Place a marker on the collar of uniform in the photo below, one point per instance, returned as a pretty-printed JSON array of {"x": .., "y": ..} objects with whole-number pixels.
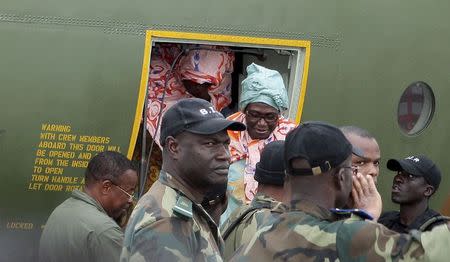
[
  {"x": 88, "y": 199},
  {"x": 311, "y": 208},
  {"x": 173, "y": 182},
  {"x": 424, "y": 217},
  {"x": 264, "y": 201}
]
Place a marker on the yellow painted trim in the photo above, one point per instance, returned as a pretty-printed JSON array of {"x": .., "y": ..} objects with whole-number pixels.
[
  {"x": 141, "y": 96},
  {"x": 301, "y": 101},
  {"x": 213, "y": 38},
  {"x": 230, "y": 38}
]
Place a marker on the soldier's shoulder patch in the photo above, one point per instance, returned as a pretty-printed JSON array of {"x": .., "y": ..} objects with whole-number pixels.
[
  {"x": 352, "y": 212},
  {"x": 183, "y": 207}
]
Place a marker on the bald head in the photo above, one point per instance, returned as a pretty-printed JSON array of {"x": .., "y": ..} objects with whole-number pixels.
[{"x": 356, "y": 131}]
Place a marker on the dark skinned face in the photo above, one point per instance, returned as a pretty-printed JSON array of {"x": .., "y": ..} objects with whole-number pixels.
[
  {"x": 261, "y": 120},
  {"x": 369, "y": 164},
  {"x": 204, "y": 159},
  {"x": 118, "y": 201},
  {"x": 408, "y": 189},
  {"x": 197, "y": 90}
]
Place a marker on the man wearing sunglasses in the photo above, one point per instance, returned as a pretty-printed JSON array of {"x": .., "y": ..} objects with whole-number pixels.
[{"x": 84, "y": 228}]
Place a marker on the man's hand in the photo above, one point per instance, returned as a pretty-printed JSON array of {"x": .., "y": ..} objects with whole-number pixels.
[{"x": 365, "y": 195}]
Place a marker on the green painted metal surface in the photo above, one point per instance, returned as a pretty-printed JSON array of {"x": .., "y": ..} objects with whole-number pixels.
[{"x": 78, "y": 64}]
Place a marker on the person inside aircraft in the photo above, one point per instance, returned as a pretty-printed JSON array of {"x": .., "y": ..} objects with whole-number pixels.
[
  {"x": 319, "y": 179},
  {"x": 83, "y": 227},
  {"x": 198, "y": 71},
  {"x": 263, "y": 99},
  {"x": 416, "y": 181},
  {"x": 202, "y": 71},
  {"x": 169, "y": 223},
  {"x": 243, "y": 222},
  {"x": 368, "y": 162}
]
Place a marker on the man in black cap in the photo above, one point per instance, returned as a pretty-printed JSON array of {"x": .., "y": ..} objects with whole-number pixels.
[
  {"x": 318, "y": 179},
  {"x": 169, "y": 223},
  {"x": 242, "y": 224},
  {"x": 416, "y": 181}
]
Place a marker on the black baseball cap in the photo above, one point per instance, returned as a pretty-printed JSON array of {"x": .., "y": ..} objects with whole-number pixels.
[
  {"x": 270, "y": 168},
  {"x": 196, "y": 116},
  {"x": 419, "y": 165},
  {"x": 323, "y": 145}
]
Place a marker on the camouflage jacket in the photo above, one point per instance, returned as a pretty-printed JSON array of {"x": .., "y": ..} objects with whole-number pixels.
[
  {"x": 244, "y": 221},
  {"x": 307, "y": 232},
  {"x": 167, "y": 224}
]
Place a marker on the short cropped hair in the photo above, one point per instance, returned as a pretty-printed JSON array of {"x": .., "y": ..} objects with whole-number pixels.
[
  {"x": 356, "y": 131},
  {"x": 107, "y": 165}
]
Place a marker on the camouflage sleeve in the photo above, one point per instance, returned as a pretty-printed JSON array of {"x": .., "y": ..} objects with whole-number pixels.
[
  {"x": 349, "y": 240},
  {"x": 264, "y": 246},
  {"x": 436, "y": 243},
  {"x": 168, "y": 239},
  {"x": 368, "y": 241},
  {"x": 232, "y": 217}
]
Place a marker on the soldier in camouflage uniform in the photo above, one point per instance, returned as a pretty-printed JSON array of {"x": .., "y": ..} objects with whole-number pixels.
[
  {"x": 169, "y": 223},
  {"x": 240, "y": 227},
  {"x": 319, "y": 178}
]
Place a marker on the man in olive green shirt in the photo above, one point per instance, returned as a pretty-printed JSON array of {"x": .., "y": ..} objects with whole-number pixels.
[{"x": 83, "y": 227}]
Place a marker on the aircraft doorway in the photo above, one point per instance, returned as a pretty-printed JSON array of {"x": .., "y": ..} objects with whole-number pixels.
[{"x": 171, "y": 72}]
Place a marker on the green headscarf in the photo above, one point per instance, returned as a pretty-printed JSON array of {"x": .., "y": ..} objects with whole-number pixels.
[{"x": 265, "y": 86}]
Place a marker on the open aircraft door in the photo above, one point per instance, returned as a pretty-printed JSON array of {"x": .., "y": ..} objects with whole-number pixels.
[{"x": 289, "y": 57}]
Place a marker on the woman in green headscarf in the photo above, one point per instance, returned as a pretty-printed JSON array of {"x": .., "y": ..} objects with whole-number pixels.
[{"x": 263, "y": 99}]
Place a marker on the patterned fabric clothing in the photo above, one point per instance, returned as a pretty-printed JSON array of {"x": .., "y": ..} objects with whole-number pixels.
[
  {"x": 212, "y": 65},
  {"x": 242, "y": 146}
]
